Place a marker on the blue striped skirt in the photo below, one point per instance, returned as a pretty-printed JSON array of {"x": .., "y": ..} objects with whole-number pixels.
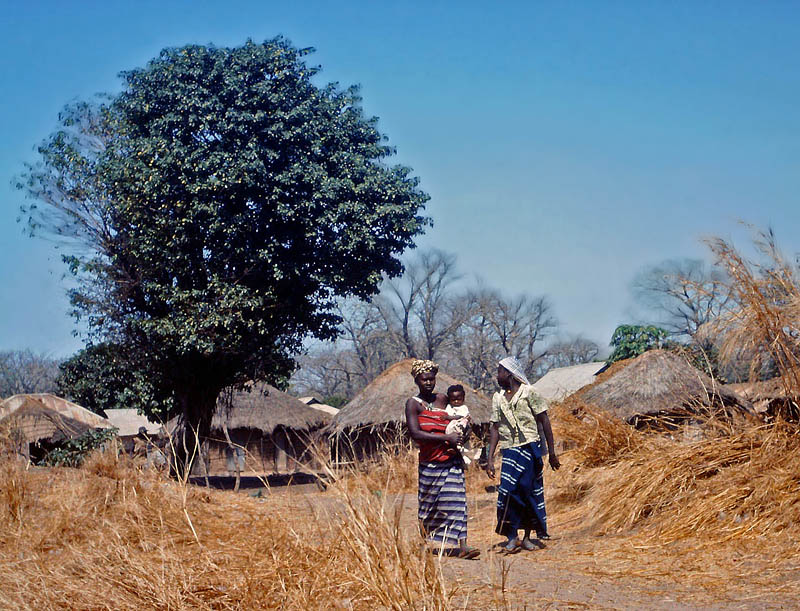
[
  {"x": 520, "y": 497},
  {"x": 443, "y": 502}
]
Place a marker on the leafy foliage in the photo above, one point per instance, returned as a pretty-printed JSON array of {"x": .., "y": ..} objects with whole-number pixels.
[
  {"x": 73, "y": 452},
  {"x": 226, "y": 202},
  {"x": 630, "y": 341},
  {"x": 336, "y": 401},
  {"x": 99, "y": 377}
]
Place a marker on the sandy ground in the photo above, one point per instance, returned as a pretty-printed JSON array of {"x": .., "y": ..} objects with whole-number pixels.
[{"x": 576, "y": 570}]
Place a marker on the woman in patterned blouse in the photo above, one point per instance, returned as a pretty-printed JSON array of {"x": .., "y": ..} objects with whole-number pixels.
[{"x": 517, "y": 412}]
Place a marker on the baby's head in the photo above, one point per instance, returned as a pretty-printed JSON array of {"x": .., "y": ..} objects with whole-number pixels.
[{"x": 455, "y": 395}]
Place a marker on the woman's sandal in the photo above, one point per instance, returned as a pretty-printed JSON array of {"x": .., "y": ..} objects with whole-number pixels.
[
  {"x": 468, "y": 553},
  {"x": 505, "y": 550}
]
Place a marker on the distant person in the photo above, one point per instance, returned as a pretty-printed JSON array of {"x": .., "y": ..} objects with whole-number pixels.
[
  {"x": 460, "y": 420},
  {"x": 442, "y": 493},
  {"x": 516, "y": 411},
  {"x": 146, "y": 446}
]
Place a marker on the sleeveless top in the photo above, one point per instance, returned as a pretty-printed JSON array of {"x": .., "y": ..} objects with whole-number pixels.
[{"x": 432, "y": 421}]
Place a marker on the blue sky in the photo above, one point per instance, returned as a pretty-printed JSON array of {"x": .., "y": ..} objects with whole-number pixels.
[{"x": 564, "y": 145}]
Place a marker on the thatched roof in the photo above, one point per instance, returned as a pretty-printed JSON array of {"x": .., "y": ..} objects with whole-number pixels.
[
  {"x": 127, "y": 422},
  {"x": 265, "y": 408},
  {"x": 563, "y": 381},
  {"x": 383, "y": 400},
  {"x": 317, "y": 404},
  {"x": 659, "y": 382},
  {"x": 46, "y": 417}
]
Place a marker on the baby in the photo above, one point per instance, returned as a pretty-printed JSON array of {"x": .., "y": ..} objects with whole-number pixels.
[{"x": 458, "y": 414}]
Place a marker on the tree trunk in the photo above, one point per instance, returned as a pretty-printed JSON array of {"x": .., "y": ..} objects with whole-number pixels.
[{"x": 194, "y": 425}]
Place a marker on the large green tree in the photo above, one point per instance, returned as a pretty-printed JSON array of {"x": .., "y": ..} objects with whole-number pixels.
[{"x": 224, "y": 201}]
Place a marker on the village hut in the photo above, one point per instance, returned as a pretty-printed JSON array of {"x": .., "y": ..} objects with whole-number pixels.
[
  {"x": 770, "y": 398},
  {"x": 315, "y": 403},
  {"x": 36, "y": 423},
  {"x": 375, "y": 417},
  {"x": 561, "y": 382},
  {"x": 128, "y": 422},
  {"x": 263, "y": 431},
  {"x": 661, "y": 387}
]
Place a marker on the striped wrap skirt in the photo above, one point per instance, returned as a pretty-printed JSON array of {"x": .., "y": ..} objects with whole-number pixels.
[
  {"x": 443, "y": 502},
  {"x": 520, "y": 497}
]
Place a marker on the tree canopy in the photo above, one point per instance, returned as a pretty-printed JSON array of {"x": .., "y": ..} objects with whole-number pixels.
[
  {"x": 630, "y": 341},
  {"x": 223, "y": 201}
]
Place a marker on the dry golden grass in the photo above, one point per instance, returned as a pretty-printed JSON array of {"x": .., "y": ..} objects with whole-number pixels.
[{"x": 110, "y": 536}]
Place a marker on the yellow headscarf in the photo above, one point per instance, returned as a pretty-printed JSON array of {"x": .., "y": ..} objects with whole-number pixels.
[{"x": 421, "y": 366}]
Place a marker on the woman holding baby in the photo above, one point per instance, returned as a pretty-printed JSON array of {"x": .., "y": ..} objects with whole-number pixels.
[{"x": 442, "y": 492}]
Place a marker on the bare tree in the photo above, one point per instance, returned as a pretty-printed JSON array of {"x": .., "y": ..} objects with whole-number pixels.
[
  {"x": 423, "y": 315},
  {"x": 567, "y": 353},
  {"x": 496, "y": 327},
  {"x": 328, "y": 371},
  {"x": 22, "y": 371},
  {"x": 684, "y": 294},
  {"x": 418, "y": 308}
]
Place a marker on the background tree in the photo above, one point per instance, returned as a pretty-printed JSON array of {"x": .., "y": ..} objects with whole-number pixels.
[
  {"x": 567, "y": 353},
  {"x": 630, "y": 341},
  {"x": 495, "y": 326},
  {"x": 226, "y": 202},
  {"x": 683, "y": 294},
  {"x": 23, "y": 371},
  {"x": 418, "y": 308}
]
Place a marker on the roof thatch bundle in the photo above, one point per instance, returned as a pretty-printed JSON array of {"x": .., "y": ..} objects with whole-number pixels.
[
  {"x": 660, "y": 383},
  {"x": 383, "y": 400},
  {"x": 265, "y": 408},
  {"x": 563, "y": 381},
  {"x": 47, "y": 418}
]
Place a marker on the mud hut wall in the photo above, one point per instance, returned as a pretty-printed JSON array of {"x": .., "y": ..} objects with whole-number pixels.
[
  {"x": 260, "y": 453},
  {"x": 286, "y": 450}
]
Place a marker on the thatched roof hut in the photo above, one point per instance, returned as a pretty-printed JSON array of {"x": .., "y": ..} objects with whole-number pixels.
[
  {"x": 561, "y": 382},
  {"x": 382, "y": 401},
  {"x": 263, "y": 430},
  {"x": 660, "y": 383},
  {"x": 265, "y": 408},
  {"x": 46, "y": 418}
]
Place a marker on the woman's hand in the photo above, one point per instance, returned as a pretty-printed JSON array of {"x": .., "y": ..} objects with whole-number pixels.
[
  {"x": 554, "y": 462},
  {"x": 490, "y": 468},
  {"x": 452, "y": 439}
]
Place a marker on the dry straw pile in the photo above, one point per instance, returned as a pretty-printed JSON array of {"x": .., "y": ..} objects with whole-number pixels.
[{"x": 739, "y": 482}]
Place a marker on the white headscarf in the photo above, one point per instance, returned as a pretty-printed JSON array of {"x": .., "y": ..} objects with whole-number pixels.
[{"x": 515, "y": 368}]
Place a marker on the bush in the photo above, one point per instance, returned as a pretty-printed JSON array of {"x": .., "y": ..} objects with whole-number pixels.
[{"x": 74, "y": 451}]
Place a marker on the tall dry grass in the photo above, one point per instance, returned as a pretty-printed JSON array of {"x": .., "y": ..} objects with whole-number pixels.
[
  {"x": 763, "y": 324},
  {"x": 109, "y": 535}
]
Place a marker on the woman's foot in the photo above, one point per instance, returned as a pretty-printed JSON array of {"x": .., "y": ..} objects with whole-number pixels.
[
  {"x": 468, "y": 553},
  {"x": 511, "y": 547},
  {"x": 529, "y": 544}
]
